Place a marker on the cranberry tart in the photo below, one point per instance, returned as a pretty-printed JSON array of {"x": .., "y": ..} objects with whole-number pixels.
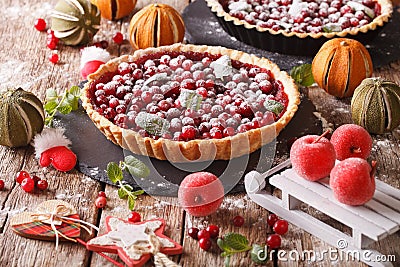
[
  {"x": 190, "y": 103},
  {"x": 298, "y": 26}
]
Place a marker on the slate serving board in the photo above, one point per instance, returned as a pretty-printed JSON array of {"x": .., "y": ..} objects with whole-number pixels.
[
  {"x": 202, "y": 27},
  {"x": 94, "y": 152}
]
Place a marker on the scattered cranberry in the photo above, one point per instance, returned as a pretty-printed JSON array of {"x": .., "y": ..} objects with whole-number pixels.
[
  {"x": 213, "y": 230},
  {"x": 102, "y": 194},
  {"x": 1, "y": 184},
  {"x": 205, "y": 243},
  {"x": 104, "y": 44},
  {"x": 281, "y": 227},
  {"x": 28, "y": 184},
  {"x": 42, "y": 185},
  {"x": 272, "y": 218},
  {"x": 21, "y": 175},
  {"x": 192, "y": 232},
  {"x": 134, "y": 217},
  {"x": 101, "y": 202},
  {"x": 203, "y": 234},
  {"x": 40, "y": 24},
  {"x": 53, "y": 58},
  {"x": 36, "y": 179},
  {"x": 274, "y": 241},
  {"x": 118, "y": 38},
  {"x": 238, "y": 221}
]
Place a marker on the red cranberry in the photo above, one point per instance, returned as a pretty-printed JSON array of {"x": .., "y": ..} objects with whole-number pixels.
[
  {"x": 238, "y": 221},
  {"x": 53, "y": 58},
  {"x": 213, "y": 230},
  {"x": 134, "y": 217},
  {"x": 21, "y": 175},
  {"x": 272, "y": 218},
  {"x": 1, "y": 184},
  {"x": 42, "y": 185},
  {"x": 274, "y": 241},
  {"x": 28, "y": 184},
  {"x": 118, "y": 38},
  {"x": 281, "y": 227},
  {"x": 188, "y": 132},
  {"x": 192, "y": 232},
  {"x": 205, "y": 243},
  {"x": 40, "y": 24},
  {"x": 102, "y": 194},
  {"x": 101, "y": 202},
  {"x": 203, "y": 234}
]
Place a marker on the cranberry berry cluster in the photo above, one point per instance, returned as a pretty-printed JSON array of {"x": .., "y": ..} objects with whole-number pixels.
[
  {"x": 29, "y": 183},
  {"x": 189, "y": 98},
  {"x": 305, "y": 16}
]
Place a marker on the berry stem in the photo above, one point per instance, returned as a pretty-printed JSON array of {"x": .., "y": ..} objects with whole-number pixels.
[
  {"x": 322, "y": 135},
  {"x": 373, "y": 165}
]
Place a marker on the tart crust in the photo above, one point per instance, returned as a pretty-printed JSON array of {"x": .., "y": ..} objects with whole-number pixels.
[
  {"x": 198, "y": 149},
  {"x": 386, "y": 13}
]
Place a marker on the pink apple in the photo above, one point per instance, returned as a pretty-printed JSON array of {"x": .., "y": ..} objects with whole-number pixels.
[
  {"x": 312, "y": 157},
  {"x": 351, "y": 140},
  {"x": 201, "y": 193},
  {"x": 352, "y": 181}
]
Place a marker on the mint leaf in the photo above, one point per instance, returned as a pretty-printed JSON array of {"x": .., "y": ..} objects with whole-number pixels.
[
  {"x": 223, "y": 246},
  {"x": 136, "y": 167},
  {"x": 157, "y": 77},
  {"x": 51, "y": 94},
  {"x": 72, "y": 101},
  {"x": 138, "y": 192},
  {"x": 302, "y": 74},
  {"x": 273, "y": 106},
  {"x": 64, "y": 109},
  {"x": 237, "y": 242},
  {"x": 50, "y": 107},
  {"x": 114, "y": 172},
  {"x": 152, "y": 123},
  {"x": 222, "y": 67},
  {"x": 131, "y": 202},
  {"x": 259, "y": 254},
  {"x": 190, "y": 99},
  {"x": 75, "y": 91},
  {"x": 122, "y": 193}
]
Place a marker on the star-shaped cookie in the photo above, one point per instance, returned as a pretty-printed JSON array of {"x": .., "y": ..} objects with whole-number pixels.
[{"x": 131, "y": 241}]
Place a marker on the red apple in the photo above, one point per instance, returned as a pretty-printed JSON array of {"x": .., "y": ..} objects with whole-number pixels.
[
  {"x": 201, "y": 193},
  {"x": 352, "y": 181},
  {"x": 351, "y": 140},
  {"x": 312, "y": 157}
]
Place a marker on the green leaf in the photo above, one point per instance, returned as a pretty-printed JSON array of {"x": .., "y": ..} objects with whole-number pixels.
[
  {"x": 136, "y": 167},
  {"x": 138, "y": 192},
  {"x": 50, "y": 107},
  {"x": 51, "y": 94},
  {"x": 236, "y": 241},
  {"x": 131, "y": 202},
  {"x": 190, "y": 99},
  {"x": 222, "y": 245},
  {"x": 259, "y": 254},
  {"x": 114, "y": 172},
  {"x": 157, "y": 77},
  {"x": 122, "y": 193},
  {"x": 302, "y": 74},
  {"x": 75, "y": 91},
  {"x": 273, "y": 106},
  {"x": 64, "y": 109},
  {"x": 72, "y": 101},
  {"x": 152, "y": 123}
]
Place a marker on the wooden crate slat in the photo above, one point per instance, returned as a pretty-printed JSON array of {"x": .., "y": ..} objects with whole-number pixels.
[
  {"x": 387, "y": 200},
  {"x": 326, "y": 206},
  {"x": 387, "y": 189}
]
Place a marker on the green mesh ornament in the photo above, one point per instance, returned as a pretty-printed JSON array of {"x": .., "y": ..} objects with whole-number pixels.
[
  {"x": 376, "y": 105},
  {"x": 75, "y": 22}
]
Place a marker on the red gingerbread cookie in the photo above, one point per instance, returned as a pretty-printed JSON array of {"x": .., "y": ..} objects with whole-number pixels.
[{"x": 136, "y": 242}]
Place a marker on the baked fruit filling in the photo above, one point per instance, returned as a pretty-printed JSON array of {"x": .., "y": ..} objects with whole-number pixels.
[
  {"x": 184, "y": 96},
  {"x": 304, "y": 16}
]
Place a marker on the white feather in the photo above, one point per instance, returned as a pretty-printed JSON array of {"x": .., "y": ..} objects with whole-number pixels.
[{"x": 48, "y": 138}]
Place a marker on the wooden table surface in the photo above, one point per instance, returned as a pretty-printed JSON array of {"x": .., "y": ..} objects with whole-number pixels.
[{"x": 24, "y": 63}]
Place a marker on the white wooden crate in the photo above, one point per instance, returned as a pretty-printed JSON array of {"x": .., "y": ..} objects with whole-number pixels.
[{"x": 371, "y": 222}]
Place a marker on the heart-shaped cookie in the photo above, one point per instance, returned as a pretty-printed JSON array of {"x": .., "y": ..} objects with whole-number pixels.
[{"x": 37, "y": 224}]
